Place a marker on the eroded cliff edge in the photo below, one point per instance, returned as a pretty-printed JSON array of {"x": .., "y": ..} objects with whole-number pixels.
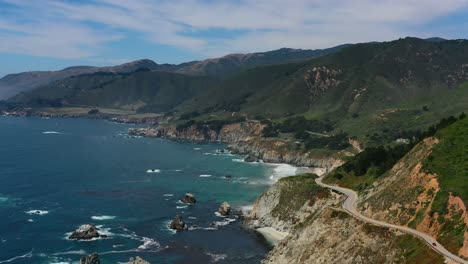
[{"x": 245, "y": 138}]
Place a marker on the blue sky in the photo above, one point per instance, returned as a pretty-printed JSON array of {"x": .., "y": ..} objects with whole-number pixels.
[{"x": 53, "y": 34}]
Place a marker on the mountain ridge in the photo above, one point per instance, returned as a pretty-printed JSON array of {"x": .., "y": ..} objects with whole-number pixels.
[{"x": 13, "y": 84}]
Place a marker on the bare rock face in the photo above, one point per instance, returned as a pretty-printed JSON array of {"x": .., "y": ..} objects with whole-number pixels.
[
  {"x": 189, "y": 198},
  {"x": 91, "y": 259},
  {"x": 85, "y": 232},
  {"x": 178, "y": 224},
  {"x": 138, "y": 260},
  {"x": 224, "y": 209}
]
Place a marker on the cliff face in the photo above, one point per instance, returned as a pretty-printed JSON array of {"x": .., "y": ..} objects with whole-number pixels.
[
  {"x": 317, "y": 231},
  {"x": 275, "y": 151},
  {"x": 245, "y": 138},
  {"x": 228, "y": 133}
]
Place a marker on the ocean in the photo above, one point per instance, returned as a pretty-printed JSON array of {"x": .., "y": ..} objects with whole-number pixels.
[{"x": 57, "y": 174}]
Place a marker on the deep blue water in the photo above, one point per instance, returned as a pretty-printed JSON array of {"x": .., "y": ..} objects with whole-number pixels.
[{"x": 91, "y": 168}]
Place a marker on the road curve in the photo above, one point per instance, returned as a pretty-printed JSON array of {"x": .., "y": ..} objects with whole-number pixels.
[{"x": 350, "y": 206}]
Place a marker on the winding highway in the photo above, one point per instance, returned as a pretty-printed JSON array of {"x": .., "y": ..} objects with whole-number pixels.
[{"x": 349, "y": 205}]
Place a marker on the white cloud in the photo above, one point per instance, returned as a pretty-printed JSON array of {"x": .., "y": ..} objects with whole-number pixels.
[{"x": 66, "y": 29}]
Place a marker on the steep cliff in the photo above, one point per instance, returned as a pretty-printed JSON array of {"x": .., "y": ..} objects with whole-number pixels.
[
  {"x": 245, "y": 138},
  {"x": 317, "y": 231}
]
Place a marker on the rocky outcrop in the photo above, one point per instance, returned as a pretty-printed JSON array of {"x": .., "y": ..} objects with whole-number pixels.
[
  {"x": 178, "y": 224},
  {"x": 189, "y": 199},
  {"x": 91, "y": 259},
  {"x": 85, "y": 232},
  {"x": 245, "y": 138},
  {"x": 137, "y": 260},
  {"x": 224, "y": 209},
  {"x": 276, "y": 151},
  {"x": 235, "y": 132},
  {"x": 250, "y": 158}
]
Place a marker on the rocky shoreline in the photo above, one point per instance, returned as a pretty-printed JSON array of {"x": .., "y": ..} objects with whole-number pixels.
[{"x": 245, "y": 139}]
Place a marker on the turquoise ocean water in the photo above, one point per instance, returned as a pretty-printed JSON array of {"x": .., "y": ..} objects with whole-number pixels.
[{"x": 56, "y": 174}]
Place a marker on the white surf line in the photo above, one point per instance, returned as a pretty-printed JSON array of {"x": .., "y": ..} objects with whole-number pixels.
[{"x": 349, "y": 205}]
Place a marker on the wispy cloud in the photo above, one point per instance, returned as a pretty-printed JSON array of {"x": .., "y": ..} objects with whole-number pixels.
[{"x": 68, "y": 29}]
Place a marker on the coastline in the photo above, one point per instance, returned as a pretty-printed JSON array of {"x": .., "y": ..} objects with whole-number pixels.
[{"x": 284, "y": 162}]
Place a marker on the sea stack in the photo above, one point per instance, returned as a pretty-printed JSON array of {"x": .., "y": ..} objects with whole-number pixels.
[
  {"x": 224, "y": 209},
  {"x": 85, "y": 232},
  {"x": 189, "y": 198},
  {"x": 177, "y": 224},
  {"x": 137, "y": 260},
  {"x": 250, "y": 158},
  {"x": 91, "y": 259}
]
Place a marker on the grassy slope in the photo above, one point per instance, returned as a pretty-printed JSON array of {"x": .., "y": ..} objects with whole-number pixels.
[
  {"x": 156, "y": 91},
  {"x": 449, "y": 160},
  {"x": 299, "y": 189}
]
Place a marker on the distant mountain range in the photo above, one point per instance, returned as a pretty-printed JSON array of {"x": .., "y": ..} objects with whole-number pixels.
[
  {"x": 13, "y": 84},
  {"x": 362, "y": 88}
]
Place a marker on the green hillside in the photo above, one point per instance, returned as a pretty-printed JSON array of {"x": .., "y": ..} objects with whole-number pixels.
[
  {"x": 375, "y": 92},
  {"x": 143, "y": 91}
]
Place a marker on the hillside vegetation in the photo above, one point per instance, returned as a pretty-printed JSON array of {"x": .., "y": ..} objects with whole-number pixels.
[{"x": 374, "y": 92}]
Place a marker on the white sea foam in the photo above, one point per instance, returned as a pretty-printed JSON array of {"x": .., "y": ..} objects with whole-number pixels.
[
  {"x": 196, "y": 148},
  {"x": 51, "y": 132},
  {"x": 27, "y": 255},
  {"x": 238, "y": 160},
  {"x": 148, "y": 243},
  {"x": 281, "y": 171},
  {"x": 102, "y": 217},
  {"x": 178, "y": 170},
  {"x": 71, "y": 252},
  {"x": 216, "y": 257},
  {"x": 192, "y": 217},
  {"x": 153, "y": 171},
  {"x": 191, "y": 228},
  {"x": 182, "y": 206},
  {"x": 205, "y": 175},
  {"x": 3, "y": 199},
  {"x": 30, "y": 220},
  {"x": 105, "y": 231},
  {"x": 37, "y": 212},
  {"x": 225, "y": 222},
  {"x": 168, "y": 194},
  {"x": 219, "y": 214},
  {"x": 246, "y": 209}
]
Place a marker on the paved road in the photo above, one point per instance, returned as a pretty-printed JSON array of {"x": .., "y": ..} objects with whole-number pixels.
[{"x": 350, "y": 206}]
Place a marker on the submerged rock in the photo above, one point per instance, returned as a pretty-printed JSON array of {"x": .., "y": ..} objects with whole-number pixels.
[
  {"x": 228, "y": 176},
  {"x": 85, "y": 232},
  {"x": 91, "y": 259},
  {"x": 138, "y": 260},
  {"x": 189, "y": 198},
  {"x": 250, "y": 158},
  {"x": 177, "y": 224},
  {"x": 224, "y": 209}
]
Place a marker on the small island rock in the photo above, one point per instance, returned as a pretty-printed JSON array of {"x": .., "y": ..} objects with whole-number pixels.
[
  {"x": 138, "y": 260},
  {"x": 91, "y": 259},
  {"x": 189, "y": 198},
  {"x": 250, "y": 158},
  {"x": 85, "y": 232},
  {"x": 224, "y": 209},
  {"x": 177, "y": 224}
]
